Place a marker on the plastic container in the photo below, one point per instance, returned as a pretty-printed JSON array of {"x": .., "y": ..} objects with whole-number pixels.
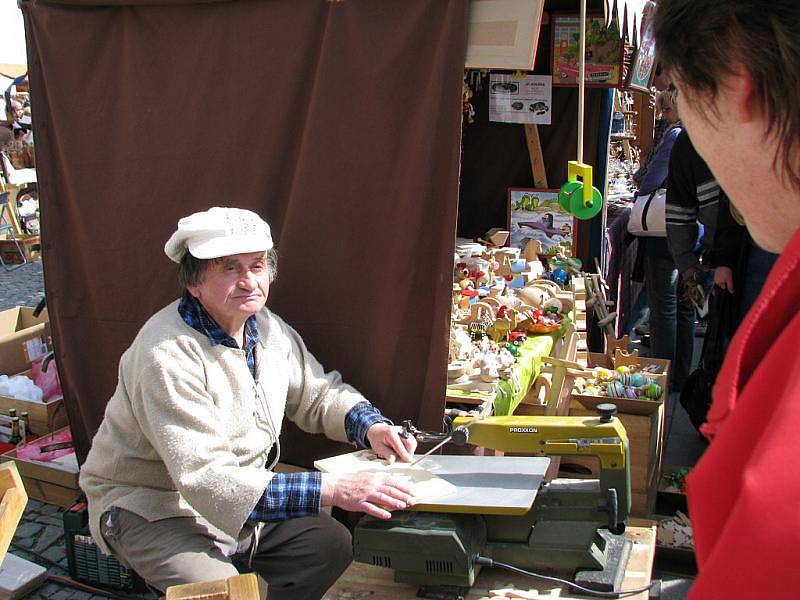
[{"x": 87, "y": 563}]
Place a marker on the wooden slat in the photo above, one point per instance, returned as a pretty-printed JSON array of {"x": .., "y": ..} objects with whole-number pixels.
[
  {"x": 12, "y": 504},
  {"x": 238, "y": 587},
  {"x": 537, "y": 159}
]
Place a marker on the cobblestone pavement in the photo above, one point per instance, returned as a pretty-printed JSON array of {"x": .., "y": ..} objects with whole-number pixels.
[
  {"x": 40, "y": 534},
  {"x": 21, "y": 287}
]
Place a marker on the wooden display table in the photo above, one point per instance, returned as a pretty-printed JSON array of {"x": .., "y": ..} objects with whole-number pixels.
[{"x": 365, "y": 581}]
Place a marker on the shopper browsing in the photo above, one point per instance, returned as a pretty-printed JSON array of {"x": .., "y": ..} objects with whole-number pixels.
[{"x": 737, "y": 68}]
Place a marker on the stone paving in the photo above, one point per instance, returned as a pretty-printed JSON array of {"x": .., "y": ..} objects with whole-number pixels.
[{"x": 40, "y": 534}]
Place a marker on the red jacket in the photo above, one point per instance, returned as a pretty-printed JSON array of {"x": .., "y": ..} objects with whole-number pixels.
[{"x": 744, "y": 494}]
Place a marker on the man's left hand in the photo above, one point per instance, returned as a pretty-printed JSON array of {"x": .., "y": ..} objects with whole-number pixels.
[{"x": 386, "y": 441}]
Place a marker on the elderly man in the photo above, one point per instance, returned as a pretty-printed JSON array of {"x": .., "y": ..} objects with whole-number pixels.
[
  {"x": 737, "y": 66},
  {"x": 180, "y": 477}
]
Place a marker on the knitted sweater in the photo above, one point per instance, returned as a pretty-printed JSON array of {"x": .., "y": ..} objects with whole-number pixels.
[{"x": 188, "y": 431}]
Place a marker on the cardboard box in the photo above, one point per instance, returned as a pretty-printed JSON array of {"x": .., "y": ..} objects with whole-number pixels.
[
  {"x": 29, "y": 245},
  {"x": 17, "y": 327},
  {"x": 50, "y": 482}
]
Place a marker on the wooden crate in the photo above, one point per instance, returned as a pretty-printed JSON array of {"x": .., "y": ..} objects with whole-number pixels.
[
  {"x": 644, "y": 423},
  {"x": 43, "y": 417},
  {"x": 52, "y": 483},
  {"x": 30, "y": 245},
  {"x": 599, "y": 359}
]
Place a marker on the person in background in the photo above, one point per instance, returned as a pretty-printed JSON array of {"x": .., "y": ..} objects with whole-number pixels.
[
  {"x": 180, "y": 477},
  {"x": 693, "y": 195},
  {"x": 672, "y": 320},
  {"x": 736, "y": 65},
  {"x": 663, "y": 122}
]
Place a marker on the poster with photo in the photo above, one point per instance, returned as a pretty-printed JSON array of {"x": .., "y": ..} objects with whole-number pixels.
[
  {"x": 604, "y": 51},
  {"x": 526, "y": 99},
  {"x": 536, "y": 214}
]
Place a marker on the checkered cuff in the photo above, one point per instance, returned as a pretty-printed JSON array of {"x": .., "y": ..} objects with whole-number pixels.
[
  {"x": 289, "y": 495},
  {"x": 359, "y": 419}
]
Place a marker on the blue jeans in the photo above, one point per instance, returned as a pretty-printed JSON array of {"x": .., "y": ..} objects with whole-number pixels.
[
  {"x": 759, "y": 264},
  {"x": 671, "y": 321}
]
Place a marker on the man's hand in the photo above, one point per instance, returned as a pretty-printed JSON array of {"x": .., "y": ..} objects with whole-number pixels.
[
  {"x": 372, "y": 493},
  {"x": 723, "y": 278},
  {"x": 386, "y": 442}
]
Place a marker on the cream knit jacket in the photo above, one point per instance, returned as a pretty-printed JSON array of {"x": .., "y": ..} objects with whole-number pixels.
[{"x": 187, "y": 431}]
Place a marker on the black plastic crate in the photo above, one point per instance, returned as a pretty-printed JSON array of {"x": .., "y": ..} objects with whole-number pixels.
[{"x": 87, "y": 563}]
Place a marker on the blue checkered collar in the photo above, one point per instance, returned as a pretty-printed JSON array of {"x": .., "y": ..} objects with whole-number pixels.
[{"x": 196, "y": 316}]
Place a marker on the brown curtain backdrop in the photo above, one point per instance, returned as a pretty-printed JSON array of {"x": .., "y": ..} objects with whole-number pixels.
[{"x": 338, "y": 121}]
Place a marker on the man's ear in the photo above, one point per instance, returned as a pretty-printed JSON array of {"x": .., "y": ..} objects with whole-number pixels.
[{"x": 194, "y": 291}]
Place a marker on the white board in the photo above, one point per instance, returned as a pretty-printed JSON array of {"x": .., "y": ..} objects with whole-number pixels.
[{"x": 453, "y": 484}]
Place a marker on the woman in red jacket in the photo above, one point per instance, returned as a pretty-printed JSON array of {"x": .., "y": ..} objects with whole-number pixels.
[{"x": 736, "y": 64}]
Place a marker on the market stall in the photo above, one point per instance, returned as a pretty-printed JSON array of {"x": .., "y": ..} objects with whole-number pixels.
[{"x": 363, "y": 202}]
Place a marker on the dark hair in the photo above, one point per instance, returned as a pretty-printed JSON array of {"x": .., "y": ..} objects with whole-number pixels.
[
  {"x": 698, "y": 41},
  {"x": 191, "y": 269}
]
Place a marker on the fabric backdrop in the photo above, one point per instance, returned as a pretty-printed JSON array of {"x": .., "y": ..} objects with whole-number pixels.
[{"x": 337, "y": 120}]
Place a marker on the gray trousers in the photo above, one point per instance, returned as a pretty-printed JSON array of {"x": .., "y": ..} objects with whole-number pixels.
[{"x": 299, "y": 558}]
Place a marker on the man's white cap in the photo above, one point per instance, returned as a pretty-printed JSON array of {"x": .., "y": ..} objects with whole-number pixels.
[{"x": 219, "y": 232}]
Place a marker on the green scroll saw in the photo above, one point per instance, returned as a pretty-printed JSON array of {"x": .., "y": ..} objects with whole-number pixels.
[{"x": 503, "y": 509}]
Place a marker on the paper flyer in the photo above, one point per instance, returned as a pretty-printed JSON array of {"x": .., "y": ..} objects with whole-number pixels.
[{"x": 526, "y": 99}]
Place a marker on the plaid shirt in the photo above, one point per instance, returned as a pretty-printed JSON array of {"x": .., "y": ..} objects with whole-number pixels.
[
  {"x": 288, "y": 495},
  {"x": 197, "y": 317}
]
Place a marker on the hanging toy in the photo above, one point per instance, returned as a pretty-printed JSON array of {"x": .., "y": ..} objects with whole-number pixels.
[{"x": 578, "y": 197}]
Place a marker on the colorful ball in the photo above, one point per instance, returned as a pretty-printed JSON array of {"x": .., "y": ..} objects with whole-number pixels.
[
  {"x": 625, "y": 379},
  {"x": 615, "y": 390},
  {"x": 638, "y": 380},
  {"x": 653, "y": 390},
  {"x": 623, "y": 369}
]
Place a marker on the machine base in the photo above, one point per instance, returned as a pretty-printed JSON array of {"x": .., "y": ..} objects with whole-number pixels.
[{"x": 618, "y": 550}]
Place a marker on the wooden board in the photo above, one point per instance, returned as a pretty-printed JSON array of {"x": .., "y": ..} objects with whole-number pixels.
[
  {"x": 238, "y": 587},
  {"x": 12, "y": 504},
  {"x": 54, "y": 482},
  {"x": 366, "y": 581},
  {"x": 474, "y": 484},
  {"x": 535, "y": 154}
]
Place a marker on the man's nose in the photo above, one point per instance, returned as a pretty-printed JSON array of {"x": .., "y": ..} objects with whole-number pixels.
[{"x": 248, "y": 280}]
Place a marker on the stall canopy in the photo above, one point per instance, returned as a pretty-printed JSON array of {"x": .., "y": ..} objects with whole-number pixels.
[{"x": 337, "y": 120}]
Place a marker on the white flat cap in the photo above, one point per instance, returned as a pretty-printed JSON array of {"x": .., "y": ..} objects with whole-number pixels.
[{"x": 219, "y": 231}]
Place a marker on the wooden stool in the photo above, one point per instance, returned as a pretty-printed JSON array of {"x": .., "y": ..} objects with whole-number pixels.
[{"x": 238, "y": 587}]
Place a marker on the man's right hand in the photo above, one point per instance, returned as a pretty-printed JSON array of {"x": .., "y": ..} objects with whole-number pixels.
[
  {"x": 375, "y": 494},
  {"x": 723, "y": 278}
]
